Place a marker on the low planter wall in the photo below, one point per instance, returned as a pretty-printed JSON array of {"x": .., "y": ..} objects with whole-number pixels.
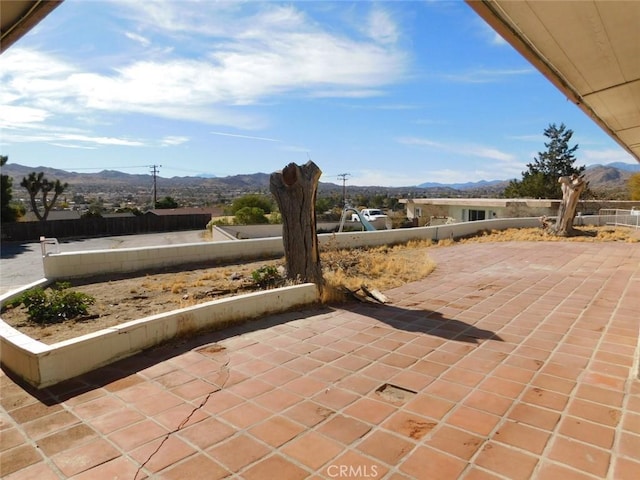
[
  {"x": 43, "y": 365},
  {"x": 126, "y": 260}
]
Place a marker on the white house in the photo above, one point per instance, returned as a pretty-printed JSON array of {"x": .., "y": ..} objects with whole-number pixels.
[{"x": 435, "y": 211}]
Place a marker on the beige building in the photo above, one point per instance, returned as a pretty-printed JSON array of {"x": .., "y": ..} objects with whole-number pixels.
[{"x": 437, "y": 211}]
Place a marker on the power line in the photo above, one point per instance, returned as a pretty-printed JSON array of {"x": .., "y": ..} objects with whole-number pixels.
[
  {"x": 128, "y": 167},
  {"x": 154, "y": 171},
  {"x": 344, "y": 187}
]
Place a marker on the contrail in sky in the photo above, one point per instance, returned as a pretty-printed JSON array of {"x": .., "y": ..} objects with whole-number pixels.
[{"x": 245, "y": 136}]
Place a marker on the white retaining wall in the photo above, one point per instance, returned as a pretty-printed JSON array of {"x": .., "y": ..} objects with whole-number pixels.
[
  {"x": 125, "y": 260},
  {"x": 43, "y": 365}
]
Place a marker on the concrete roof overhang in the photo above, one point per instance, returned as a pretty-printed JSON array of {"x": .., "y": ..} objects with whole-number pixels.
[
  {"x": 589, "y": 49},
  {"x": 17, "y": 17}
]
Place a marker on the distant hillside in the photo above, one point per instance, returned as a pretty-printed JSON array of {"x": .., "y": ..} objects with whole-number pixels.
[
  {"x": 628, "y": 167},
  {"x": 612, "y": 177},
  {"x": 606, "y": 176}
]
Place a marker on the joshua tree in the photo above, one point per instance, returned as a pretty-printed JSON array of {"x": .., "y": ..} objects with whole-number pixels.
[{"x": 36, "y": 184}]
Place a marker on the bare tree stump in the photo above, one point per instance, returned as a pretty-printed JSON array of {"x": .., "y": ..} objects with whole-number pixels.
[
  {"x": 572, "y": 188},
  {"x": 295, "y": 189}
]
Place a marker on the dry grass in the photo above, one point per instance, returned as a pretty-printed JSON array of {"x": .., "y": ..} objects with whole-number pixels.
[
  {"x": 584, "y": 234},
  {"x": 380, "y": 268}
]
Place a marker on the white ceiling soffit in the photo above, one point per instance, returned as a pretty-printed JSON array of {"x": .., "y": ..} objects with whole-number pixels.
[
  {"x": 589, "y": 49},
  {"x": 17, "y": 17}
]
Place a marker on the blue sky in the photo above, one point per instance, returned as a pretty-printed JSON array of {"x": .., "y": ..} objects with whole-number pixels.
[{"x": 391, "y": 93}]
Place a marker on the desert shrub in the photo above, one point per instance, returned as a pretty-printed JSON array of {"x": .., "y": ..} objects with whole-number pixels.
[
  {"x": 56, "y": 305},
  {"x": 251, "y": 216},
  {"x": 267, "y": 276}
]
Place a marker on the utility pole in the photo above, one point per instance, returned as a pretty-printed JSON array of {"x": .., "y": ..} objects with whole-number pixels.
[
  {"x": 344, "y": 187},
  {"x": 154, "y": 171}
]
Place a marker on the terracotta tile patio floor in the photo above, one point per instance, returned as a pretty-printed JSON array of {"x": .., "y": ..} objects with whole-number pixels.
[{"x": 511, "y": 361}]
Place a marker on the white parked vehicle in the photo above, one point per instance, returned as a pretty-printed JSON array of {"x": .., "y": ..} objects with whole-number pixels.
[{"x": 369, "y": 214}]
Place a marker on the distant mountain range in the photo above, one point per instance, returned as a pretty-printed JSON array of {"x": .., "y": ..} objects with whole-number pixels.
[{"x": 609, "y": 177}]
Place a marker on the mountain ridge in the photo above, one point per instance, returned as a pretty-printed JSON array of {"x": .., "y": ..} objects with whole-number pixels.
[{"x": 614, "y": 175}]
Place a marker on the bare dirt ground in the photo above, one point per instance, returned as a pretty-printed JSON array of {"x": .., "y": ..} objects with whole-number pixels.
[{"x": 119, "y": 300}]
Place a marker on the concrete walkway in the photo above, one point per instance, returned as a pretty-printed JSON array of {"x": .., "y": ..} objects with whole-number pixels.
[{"x": 510, "y": 361}]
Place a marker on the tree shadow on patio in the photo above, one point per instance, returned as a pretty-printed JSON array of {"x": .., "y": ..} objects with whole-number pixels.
[{"x": 426, "y": 321}]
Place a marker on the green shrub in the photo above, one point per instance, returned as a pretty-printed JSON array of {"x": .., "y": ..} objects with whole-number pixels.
[
  {"x": 251, "y": 216},
  {"x": 57, "y": 305},
  {"x": 267, "y": 276}
]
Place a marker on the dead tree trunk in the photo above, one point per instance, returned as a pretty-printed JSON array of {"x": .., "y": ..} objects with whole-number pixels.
[
  {"x": 295, "y": 189},
  {"x": 572, "y": 188}
]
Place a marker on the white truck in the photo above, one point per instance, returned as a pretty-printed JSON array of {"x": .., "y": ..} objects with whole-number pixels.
[{"x": 369, "y": 214}]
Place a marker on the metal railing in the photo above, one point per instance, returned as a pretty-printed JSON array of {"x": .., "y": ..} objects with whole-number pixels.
[{"x": 616, "y": 216}]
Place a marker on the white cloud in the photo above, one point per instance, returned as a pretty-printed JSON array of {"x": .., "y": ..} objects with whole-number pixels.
[
  {"x": 254, "y": 59},
  {"x": 461, "y": 149},
  {"x": 381, "y": 26},
  {"x": 484, "y": 75},
  {"x": 145, "y": 42},
  {"x": 593, "y": 157},
  {"x": 172, "y": 141},
  {"x": 14, "y": 116},
  {"x": 400, "y": 179}
]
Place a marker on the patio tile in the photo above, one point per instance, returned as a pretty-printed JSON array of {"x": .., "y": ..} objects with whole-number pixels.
[
  {"x": 344, "y": 429},
  {"x": 138, "y": 434},
  {"x": 180, "y": 416},
  {"x": 156, "y": 403},
  {"x": 594, "y": 412},
  {"x": 245, "y": 415},
  {"x": 629, "y": 445},
  {"x": 308, "y": 413},
  {"x": 50, "y": 423},
  {"x": 429, "y": 406},
  {"x": 39, "y": 471},
  {"x": 473, "y": 420},
  {"x": 626, "y": 469},
  {"x": 585, "y": 431},
  {"x": 459, "y": 443},
  {"x": 10, "y": 438},
  {"x": 117, "y": 468},
  {"x": 534, "y": 416},
  {"x": 32, "y": 411},
  {"x": 335, "y": 398},
  {"x": 409, "y": 425},
  {"x": 522, "y": 436},
  {"x": 238, "y": 452},
  {"x": 207, "y": 432},
  {"x": 196, "y": 467},
  {"x": 161, "y": 453},
  {"x": 355, "y": 465},
  {"x": 312, "y": 449},
  {"x": 275, "y": 467},
  {"x": 120, "y": 418},
  {"x": 276, "y": 431},
  {"x": 84, "y": 457},
  {"x": 439, "y": 465},
  {"x": 506, "y": 461},
  {"x": 581, "y": 456},
  {"x": 17, "y": 458},
  {"x": 488, "y": 402},
  {"x": 306, "y": 386},
  {"x": 370, "y": 410},
  {"x": 61, "y": 440}
]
